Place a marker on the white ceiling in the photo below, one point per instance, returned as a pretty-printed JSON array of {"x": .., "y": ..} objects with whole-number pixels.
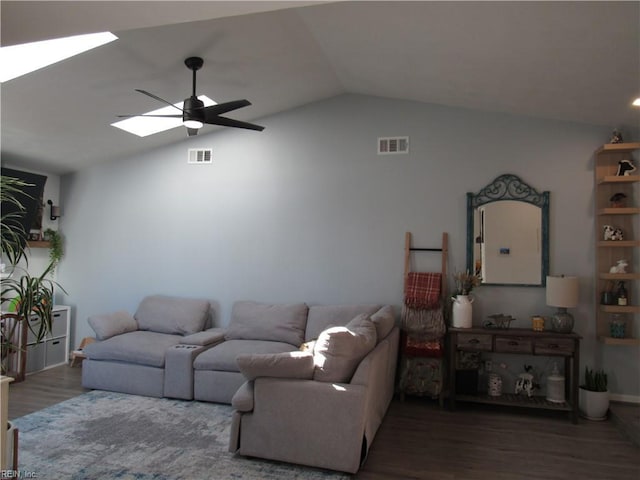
[{"x": 570, "y": 61}]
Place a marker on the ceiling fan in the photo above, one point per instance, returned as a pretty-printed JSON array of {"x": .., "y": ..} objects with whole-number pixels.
[{"x": 193, "y": 112}]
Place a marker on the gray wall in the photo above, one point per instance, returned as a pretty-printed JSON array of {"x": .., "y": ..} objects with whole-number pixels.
[{"x": 307, "y": 211}]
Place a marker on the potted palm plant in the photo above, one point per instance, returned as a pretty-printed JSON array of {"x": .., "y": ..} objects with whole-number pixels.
[
  {"x": 28, "y": 294},
  {"x": 594, "y": 395}
]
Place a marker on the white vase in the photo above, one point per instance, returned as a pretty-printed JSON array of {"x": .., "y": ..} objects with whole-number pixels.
[
  {"x": 594, "y": 405},
  {"x": 462, "y": 311}
]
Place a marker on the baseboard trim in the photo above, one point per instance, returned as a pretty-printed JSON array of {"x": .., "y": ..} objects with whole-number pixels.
[{"x": 617, "y": 397}]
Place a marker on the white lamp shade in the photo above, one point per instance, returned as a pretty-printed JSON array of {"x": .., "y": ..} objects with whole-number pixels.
[{"x": 562, "y": 291}]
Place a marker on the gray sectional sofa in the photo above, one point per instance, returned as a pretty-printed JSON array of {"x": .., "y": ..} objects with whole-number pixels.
[
  {"x": 150, "y": 353},
  {"x": 309, "y": 385}
]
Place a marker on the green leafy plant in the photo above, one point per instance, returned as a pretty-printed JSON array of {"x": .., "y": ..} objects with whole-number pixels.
[
  {"x": 594, "y": 380},
  {"x": 56, "y": 251},
  {"x": 28, "y": 294},
  {"x": 13, "y": 236}
]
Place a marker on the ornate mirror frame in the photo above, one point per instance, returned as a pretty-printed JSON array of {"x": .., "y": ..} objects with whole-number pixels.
[{"x": 510, "y": 187}]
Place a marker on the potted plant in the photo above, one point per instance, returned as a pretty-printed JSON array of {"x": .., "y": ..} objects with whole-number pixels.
[
  {"x": 594, "y": 395},
  {"x": 461, "y": 314},
  {"x": 56, "y": 251},
  {"x": 28, "y": 294}
]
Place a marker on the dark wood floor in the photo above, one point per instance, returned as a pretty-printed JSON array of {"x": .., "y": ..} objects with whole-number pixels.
[{"x": 418, "y": 440}]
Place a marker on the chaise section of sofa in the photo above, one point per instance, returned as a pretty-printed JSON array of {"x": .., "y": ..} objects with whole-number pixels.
[
  {"x": 255, "y": 328},
  {"x": 323, "y": 412},
  {"x": 151, "y": 352}
]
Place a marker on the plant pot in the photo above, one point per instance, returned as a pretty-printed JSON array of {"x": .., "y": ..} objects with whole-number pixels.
[{"x": 594, "y": 405}]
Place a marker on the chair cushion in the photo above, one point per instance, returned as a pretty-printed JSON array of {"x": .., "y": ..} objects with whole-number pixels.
[
  {"x": 263, "y": 321},
  {"x": 223, "y": 356},
  {"x": 174, "y": 315},
  {"x": 281, "y": 365},
  {"x": 140, "y": 347},
  {"x": 111, "y": 324},
  {"x": 322, "y": 317},
  {"x": 339, "y": 350}
]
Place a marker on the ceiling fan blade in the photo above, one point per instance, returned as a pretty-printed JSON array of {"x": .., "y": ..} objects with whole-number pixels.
[
  {"x": 153, "y": 116},
  {"x": 229, "y": 122},
  {"x": 155, "y": 97},
  {"x": 192, "y": 132},
  {"x": 215, "y": 110}
]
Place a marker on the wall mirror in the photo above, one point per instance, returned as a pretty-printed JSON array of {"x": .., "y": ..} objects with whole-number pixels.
[{"x": 508, "y": 233}]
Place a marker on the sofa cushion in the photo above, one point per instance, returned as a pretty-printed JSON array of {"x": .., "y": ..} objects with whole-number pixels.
[
  {"x": 111, "y": 324},
  {"x": 339, "y": 350},
  {"x": 223, "y": 356},
  {"x": 384, "y": 320},
  {"x": 140, "y": 347},
  {"x": 282, "y": 365},
  {"x": 174, "y": 315},
  {"x": 262, "y": 321},
  {"x": 242, "y": 400},
  {"x": 322, "y": 317}
]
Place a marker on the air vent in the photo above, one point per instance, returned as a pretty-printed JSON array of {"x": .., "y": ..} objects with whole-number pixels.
[
  {"x": 200, "y": 156},
  {"x": 393, "y": 145}
]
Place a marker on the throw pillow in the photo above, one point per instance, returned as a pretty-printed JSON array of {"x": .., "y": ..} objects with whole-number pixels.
[
  {"x": 339, "y": 350},
  {"x": 384, "y": 320},
  {"x": 308, "y": 346},
  {"x": 294, "y": 364},
  {"x": 112, "y": 324}
]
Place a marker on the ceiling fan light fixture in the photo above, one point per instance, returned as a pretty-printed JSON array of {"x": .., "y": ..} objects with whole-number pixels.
[
  {"x": 193, "y": 116},
  {"x": 636, "y": 102},
  {"x": 196, "y": 124},
  {"x": 144, "y": 126}
]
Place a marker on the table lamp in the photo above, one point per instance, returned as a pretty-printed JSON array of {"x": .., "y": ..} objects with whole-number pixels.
[{"x": 562, "y": 292}]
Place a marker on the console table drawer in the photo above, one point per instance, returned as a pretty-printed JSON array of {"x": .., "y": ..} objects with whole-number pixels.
[
  {"x": 554, "y": 346},
  {"x": 513, "y": 345},
  {"x": 474, "y": 342}
]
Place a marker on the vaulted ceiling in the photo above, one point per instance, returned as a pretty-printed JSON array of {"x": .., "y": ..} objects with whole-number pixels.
[{"x": 573, "y": 61}]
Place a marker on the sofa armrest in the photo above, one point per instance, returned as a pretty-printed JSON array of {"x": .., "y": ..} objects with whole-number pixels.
[
  {"x": 305, "y": 421},
  {"x": 209, "y": 337}
]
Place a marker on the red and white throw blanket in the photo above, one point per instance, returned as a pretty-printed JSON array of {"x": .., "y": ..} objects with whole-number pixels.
[{"x": 422, "y": 290}]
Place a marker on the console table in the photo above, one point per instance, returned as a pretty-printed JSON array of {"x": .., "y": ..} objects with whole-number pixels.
[{"x": 518, "y": 341}]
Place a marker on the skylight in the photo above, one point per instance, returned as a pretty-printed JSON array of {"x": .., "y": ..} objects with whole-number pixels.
[
  {"x": 18, "y": 60},
  {"x": 144, "y": 126}
]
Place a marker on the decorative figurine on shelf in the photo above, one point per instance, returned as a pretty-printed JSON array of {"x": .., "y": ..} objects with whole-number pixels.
[
  {"x": 498, "y": 320},
  {"x": 612, "y": 233},
  {"x": 617, "y": 200},
  {"x": 620, "y": 267},
  {"x": 525, "y": 383},
  {"x": 616, "y": 137},
  {"x": 625, "y": 167}
]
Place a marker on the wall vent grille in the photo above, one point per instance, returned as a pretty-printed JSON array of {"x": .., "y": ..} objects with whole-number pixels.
[
  {"x": 393, "y": 145},
  {"x": 200, "y": 156}
]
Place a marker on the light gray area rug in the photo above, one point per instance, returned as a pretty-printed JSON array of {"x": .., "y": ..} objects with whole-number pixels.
[{"x": 105, "y": 435}]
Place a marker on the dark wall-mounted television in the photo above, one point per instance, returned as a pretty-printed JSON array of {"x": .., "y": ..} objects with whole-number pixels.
[{"x": 30, "y": 197}]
